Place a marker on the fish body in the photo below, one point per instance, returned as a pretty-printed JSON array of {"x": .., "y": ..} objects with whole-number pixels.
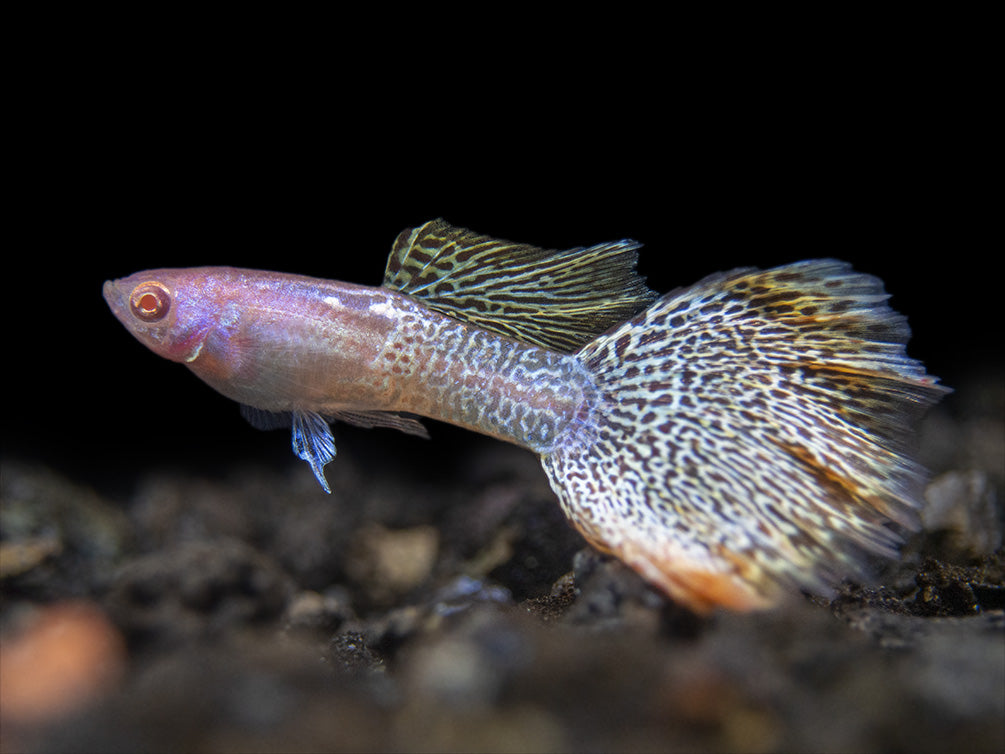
[
  {"x": 284, "y": 343},
  {"x": 726, "y": 440}
]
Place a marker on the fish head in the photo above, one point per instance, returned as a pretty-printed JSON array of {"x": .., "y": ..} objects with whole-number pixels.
[{"x": 171, "y": 311}]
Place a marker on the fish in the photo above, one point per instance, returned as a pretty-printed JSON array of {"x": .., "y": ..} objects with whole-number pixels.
[{"x": 735, "y": 441}]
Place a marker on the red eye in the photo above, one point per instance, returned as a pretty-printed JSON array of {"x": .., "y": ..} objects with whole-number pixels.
[{"x": 150, "y": 301}]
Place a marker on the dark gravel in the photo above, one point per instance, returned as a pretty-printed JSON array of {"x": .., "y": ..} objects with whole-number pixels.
[{"x": 459, "y": 612}]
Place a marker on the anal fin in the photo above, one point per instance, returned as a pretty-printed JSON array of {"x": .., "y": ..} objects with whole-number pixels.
[
  {"x": 313, "y": 442},
  {"x": 312, "y": 437}
]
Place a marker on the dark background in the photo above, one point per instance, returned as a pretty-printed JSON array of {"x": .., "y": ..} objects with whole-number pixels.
[
  {"x": 130, "y": 159},
  {"x": 305, "y": 142}
]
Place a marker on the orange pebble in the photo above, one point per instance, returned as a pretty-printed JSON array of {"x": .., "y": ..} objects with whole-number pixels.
[{"x": 67, "y": 657}]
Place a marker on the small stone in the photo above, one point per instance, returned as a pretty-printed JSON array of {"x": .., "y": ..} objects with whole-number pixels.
[{"x": 963, "y": 504}]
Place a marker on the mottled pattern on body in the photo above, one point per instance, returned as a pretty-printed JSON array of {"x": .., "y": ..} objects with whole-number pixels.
[
  {"x": 750, "y": 430},
  {"x": 498, "y": 386}
]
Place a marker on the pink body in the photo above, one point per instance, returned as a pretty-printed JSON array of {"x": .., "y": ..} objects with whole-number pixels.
[{"x": 282, "y": 342}]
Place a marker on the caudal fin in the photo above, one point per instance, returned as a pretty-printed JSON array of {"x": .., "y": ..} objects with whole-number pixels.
[{"x": 749, "y": 432}]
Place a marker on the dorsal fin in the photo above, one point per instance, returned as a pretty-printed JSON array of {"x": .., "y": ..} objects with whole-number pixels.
[{"x": 556, "y": 299}]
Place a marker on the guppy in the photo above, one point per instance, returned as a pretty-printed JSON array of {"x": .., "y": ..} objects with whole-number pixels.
[{"x": 729, "y": 441}]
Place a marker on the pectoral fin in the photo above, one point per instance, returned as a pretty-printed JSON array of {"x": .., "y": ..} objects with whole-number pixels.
[{"x": 262, "y": 419}]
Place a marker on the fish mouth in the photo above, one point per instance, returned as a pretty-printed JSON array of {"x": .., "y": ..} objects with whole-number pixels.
[{"x": 115, "y": 299}]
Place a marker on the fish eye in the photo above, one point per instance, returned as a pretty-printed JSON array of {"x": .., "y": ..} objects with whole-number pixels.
[{"x": 150, "y": 301}]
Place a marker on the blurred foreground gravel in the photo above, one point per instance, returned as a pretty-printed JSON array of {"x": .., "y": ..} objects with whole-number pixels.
[{"x": 459, "y": 612}]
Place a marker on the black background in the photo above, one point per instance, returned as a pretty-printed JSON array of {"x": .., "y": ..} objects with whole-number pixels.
[{"x": 129, "y": 159}]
